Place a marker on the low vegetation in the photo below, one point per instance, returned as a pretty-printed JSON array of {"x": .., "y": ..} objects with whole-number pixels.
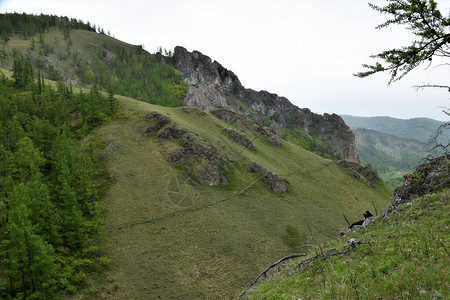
[
  {"x": 193, "y": 241},
  {"x": 403, "y": 257}
]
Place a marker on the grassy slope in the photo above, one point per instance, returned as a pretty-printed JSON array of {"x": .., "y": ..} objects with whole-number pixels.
[
  {"x": 391, "y": 156},
  {"x": 193, "y": 245},
  {"x": 84, "y": 43},
  {"x": 405, "y": 257}
]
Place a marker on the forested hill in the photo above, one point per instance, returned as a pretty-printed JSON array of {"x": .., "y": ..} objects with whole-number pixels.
[
  {"x": 420, "y": 129},
  {"x": 50, "y": 215},
  {"x": 73, "y": 52},
  {"x": 391, "y": 156}
]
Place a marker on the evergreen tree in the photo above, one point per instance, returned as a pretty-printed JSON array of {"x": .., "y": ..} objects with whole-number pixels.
[
  {"x": 426, "y": 22},
  {"x": 28, "y": 260},
  {"x": 110, "y": 90}
]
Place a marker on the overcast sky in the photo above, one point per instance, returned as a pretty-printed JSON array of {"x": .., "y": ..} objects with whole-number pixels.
[{"x": 305, "y": 50}]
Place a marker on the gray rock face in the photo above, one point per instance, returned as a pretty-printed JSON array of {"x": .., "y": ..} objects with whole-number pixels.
[
  {"x": 274, "y": 182},
  {"x": 212, "y": 85},
  {"x": 361, "y": 172},
  {"x": 201, "y": 160}
]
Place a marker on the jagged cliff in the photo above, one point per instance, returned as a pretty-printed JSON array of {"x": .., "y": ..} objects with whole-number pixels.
[{"x": 212, "y": 86}]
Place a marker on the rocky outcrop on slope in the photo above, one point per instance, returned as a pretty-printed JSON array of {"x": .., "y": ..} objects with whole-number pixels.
[
  {"x": 240, "y": 139},
  {"x": 429, "y": 177},
  {"x": 272, "y": 181},
  {"x": 361, "y": 172},
  {"x": 202, "y": 162},
  {"x": 214, "y": 87},
  {"x": 158, "y": 120}
]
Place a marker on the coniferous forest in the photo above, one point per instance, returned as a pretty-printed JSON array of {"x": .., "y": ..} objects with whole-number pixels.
[{"x": 50, "y": 214}]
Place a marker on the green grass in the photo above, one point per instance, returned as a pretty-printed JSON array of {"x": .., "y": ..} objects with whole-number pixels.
[
  {"x": 208, "y": 242},
  {"x": 405, "y": 257}
]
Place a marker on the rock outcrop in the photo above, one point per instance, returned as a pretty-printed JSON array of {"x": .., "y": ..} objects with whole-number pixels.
[
  {"x": 159, "y": 121},
  {"x": 240, "y": 139},
  {"x": 361, "y": 172},
  {"x": 272, "y": 181},
  {"x": 201, "y": 161},
  {"x": 430, "y": 177},
  {"x": 214, "y": 87}
]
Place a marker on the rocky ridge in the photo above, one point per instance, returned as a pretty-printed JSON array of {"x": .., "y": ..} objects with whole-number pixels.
[{"x": 214, "y": 87}]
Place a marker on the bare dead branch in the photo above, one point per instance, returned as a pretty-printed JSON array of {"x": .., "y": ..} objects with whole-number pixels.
[
  {"x": 421, "y": 87},
  {"x": 268, "y": 268}
]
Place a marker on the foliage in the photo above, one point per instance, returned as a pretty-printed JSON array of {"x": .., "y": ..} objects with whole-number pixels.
[
  {"x": 390, "y": 156},
  {"x": 138, "y": 75},
  {"x": 49, "y": 203},
  {"x": 420, "y": 129},
  {"x": 29, "y": 25},
  {"x": 426, "y": 22},
  {"x": 86, "y": 57}
]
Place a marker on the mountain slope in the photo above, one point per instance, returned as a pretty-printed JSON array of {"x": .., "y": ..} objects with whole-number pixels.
[
  {"x": 172, "y": 238},
  {"x": 199, "y": 201},
  {"x": 212, "y": 86},
  {"x": 420, "y": 129},
  {"x": 83, "y": 57},
  {"x": 391, "y": 156},
  {"x": 402, "y": 255}
]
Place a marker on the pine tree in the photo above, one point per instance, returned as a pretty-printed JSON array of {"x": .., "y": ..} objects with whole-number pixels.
[
  {"x": 110, "y": 90},
  {"x": 27, "y": 260},
  {"x": 27, "y": 160},
  {"x": 426, "y": 22}
]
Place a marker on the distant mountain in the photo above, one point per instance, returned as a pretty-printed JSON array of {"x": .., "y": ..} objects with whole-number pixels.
[
  {"x": 391, "y": 156},
  {"x": 420, "y": 129}
]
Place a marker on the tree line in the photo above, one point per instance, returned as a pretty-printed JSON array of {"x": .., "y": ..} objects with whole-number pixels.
[
  {"x": 27, "y": 25},
  {"x": 50, "y": 213}
]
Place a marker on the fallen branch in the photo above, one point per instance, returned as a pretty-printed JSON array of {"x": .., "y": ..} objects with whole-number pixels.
[
  {"x": 346, "y": 220},
  {"x": 268, "y": 268}
]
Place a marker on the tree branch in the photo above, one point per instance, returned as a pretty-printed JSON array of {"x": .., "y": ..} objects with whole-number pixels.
[
  {"x": 268, "y": 268},
  {"x": 421, "y": 87}
]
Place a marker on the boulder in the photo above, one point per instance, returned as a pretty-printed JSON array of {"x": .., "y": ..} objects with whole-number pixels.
[
  {"x": 361, "y": 172},
  {"x": 275, "y": 182}
]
